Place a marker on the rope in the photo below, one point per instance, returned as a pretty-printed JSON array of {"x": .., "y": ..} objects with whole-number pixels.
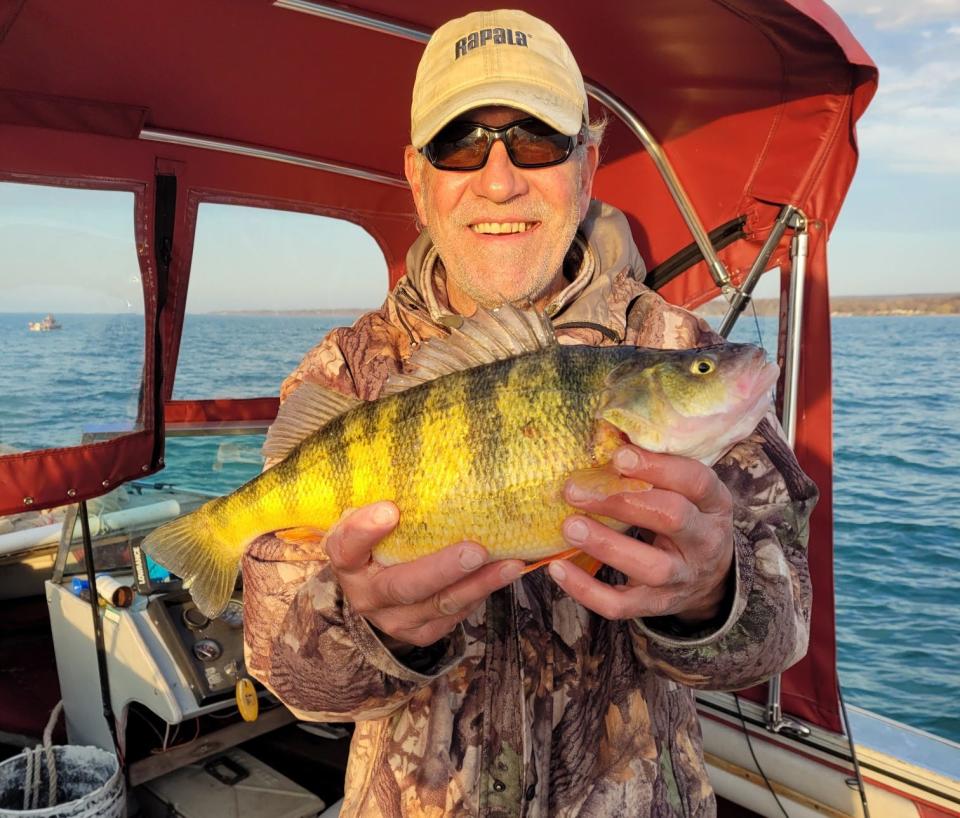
[
  {"x": 33, "y": 775},
  {"x": 51, "y": 758},
  {"x": 30, "y": 789}
]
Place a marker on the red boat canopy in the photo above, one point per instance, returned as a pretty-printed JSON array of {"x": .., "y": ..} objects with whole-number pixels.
[{"x": 754, "y": 101}]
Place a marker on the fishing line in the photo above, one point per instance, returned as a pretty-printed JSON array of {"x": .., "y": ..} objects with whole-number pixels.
[
  {"x": 746, "y": 732},
  {"x": 756, "y": 320}
]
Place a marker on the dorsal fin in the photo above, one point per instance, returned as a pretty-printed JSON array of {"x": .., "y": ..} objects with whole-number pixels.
[
  {"x": 485, "y": 337},
  {"x": 310, "y": 407}
]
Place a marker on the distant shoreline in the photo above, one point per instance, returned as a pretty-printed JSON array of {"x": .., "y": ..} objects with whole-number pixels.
[
  {"x": 840, "y": 306},
  {"x": 345, "y": 311},
  {"x": 857, "y": 305}
]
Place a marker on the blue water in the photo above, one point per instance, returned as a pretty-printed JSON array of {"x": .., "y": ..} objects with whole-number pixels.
[{"x": 896, "y": 440}]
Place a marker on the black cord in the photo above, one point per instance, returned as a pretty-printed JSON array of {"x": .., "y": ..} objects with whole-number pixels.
[
  {"x": 766, "y": 780},
  {"x": 853, "y": 754}
]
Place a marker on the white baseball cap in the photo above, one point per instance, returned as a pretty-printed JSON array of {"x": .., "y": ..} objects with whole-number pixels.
[{"x": 504, "y": 57}]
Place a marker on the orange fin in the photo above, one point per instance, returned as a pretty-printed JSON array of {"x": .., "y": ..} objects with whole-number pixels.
[
  {"x": 301, "y": 535},
  {"x": 579, "y": 558},
  {"x": 604, "y": 481}
]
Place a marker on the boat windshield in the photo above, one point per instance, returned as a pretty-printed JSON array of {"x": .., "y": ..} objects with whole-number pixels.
[{"x": 199, "y": 467}]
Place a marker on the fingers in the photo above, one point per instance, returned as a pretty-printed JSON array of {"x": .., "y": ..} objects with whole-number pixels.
[
  {"x": 418, "y": 580},
  {"x": 641, "y": 563},
  {"x": 690, "y": 478},
  {"x": 610, "y": 601},
  {"x": 349, "y": 544},
  {"x": 436, "y": 615},
  {"x": 689, "y": 503}
]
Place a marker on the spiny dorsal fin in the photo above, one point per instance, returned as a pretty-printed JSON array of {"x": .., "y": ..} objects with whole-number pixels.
[
  {"x": 310, "y": 407},
  {"x": 485, "y": 337}
]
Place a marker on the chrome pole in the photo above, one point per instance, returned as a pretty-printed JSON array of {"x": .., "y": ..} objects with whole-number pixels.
[
  {"x": 791, "y": 362},
  {"x": 775, "y": 722},
  {"x": 742, "y": 296},
  {"x": 717, "y": 271}
]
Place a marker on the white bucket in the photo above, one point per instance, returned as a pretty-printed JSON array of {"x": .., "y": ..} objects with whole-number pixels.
[{"x": 89, "y": 785}]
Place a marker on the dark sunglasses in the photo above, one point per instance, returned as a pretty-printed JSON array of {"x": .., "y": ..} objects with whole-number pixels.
[{"x": 530, "y": 143}]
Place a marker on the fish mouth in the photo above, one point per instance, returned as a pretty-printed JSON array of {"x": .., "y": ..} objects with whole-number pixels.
[
  {"x": 767, "y": 377},
  {"x": 758, "y": 376},
  {"x": 758, "y": 396}
]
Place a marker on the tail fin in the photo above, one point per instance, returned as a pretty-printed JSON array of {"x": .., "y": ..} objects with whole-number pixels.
[{"x": 192, "y": 548}]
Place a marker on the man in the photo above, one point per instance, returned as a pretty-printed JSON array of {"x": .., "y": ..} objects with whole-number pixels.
[{"x": 477, "y": 692}]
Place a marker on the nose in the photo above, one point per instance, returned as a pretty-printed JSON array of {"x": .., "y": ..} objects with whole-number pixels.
[{"x": 499, "y": 180}]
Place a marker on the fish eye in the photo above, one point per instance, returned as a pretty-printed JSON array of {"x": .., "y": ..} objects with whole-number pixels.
[{"x": 702, "y": 366}]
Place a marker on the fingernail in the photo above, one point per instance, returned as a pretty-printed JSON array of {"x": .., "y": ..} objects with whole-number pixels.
[
  {"x": 470, "y": 558},
  {"x": 382, "y": 515},
  {"x": 576, "y": 530},
  {"x": 511, "y": 571},
  {"x": 557, "y": 571},
  {"x": 626, "y": 460},
  {"x": 576, "y": 493}
]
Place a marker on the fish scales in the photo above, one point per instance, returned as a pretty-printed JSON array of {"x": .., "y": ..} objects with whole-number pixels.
[{"x": 497, "y": 457}]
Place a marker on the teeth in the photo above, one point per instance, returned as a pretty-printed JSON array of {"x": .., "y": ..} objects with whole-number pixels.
[{"x": 501, "y": 227}]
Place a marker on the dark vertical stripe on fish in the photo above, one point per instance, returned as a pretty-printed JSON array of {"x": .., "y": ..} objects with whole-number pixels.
[
  {"x": 338, "y": 453},
  {"x": 406, "y": 441}
]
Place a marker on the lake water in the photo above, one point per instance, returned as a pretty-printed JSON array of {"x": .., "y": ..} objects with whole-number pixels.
[{"x": 897, "y": 461}]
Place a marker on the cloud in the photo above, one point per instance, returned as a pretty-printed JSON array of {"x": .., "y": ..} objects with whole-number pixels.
[
  {"x": 922, "y": 140},
  {"x": 898, "y": 14},
  {"x": 914, "y": 121}
]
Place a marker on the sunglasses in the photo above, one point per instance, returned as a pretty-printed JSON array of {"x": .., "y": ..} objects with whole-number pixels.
[{"x": 530, "y": 143}]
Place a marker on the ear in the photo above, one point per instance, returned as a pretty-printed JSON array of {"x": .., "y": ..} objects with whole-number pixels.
[
  {"x": 588, "y": 170},
  {"x": 412, "y": 169}
]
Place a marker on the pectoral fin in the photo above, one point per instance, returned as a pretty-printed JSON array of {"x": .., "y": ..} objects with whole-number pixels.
[
  {"x": 302, "y": 535},
  {"x": 604, "y": 482},
  {"x": 579, "y": 558}
]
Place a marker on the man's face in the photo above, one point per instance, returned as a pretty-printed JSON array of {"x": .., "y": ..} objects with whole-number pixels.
[{"x": 472, "y": 218}]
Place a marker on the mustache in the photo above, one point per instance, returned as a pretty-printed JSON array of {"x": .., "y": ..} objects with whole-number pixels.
[{"x": 471, "y": 213}]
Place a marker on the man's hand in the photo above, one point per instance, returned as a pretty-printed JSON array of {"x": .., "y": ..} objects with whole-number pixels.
[
  {"x": 417, "y": 602},
  {"x": 683, "y": 571}
]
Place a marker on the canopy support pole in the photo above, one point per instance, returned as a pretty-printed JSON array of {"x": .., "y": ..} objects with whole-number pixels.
[
  {"x": 717, "y": 271},
  {"x": 775, "y": 722},
  {"x": 741, "y": 296}
]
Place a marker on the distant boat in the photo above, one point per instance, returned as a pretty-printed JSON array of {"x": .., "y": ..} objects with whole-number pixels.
[{"x": 48, "y": 323}]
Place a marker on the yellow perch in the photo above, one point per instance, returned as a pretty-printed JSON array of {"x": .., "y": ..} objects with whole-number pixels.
[{"x": 475, "y": 444}]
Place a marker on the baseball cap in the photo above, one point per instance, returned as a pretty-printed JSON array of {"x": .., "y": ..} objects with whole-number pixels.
[{"x": 503, "y": 57}]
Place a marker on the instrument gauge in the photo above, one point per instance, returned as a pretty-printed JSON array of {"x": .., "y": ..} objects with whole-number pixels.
[
  {"x": 207, "y": 650},
  {"x": 194, "y": 619},
  {"x": 233, "y": 614}
]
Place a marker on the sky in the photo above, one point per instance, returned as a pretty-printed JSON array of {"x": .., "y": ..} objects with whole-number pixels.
[{"x": 896, "y": 232}]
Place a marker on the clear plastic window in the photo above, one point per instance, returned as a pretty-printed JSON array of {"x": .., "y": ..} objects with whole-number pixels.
[
  {"x": 265, "y": 286},
  {"x": 71, "y": 315}
]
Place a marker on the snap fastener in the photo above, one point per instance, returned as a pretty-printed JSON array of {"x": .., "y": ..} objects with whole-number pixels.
[
  {"x": 71, "y": 492},
  {"x": 498, "y": 785},
  {"x": 28, "y": 501}
]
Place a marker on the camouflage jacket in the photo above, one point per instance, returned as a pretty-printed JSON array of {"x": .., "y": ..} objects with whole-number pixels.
[{"x": 535, "y": 706}]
